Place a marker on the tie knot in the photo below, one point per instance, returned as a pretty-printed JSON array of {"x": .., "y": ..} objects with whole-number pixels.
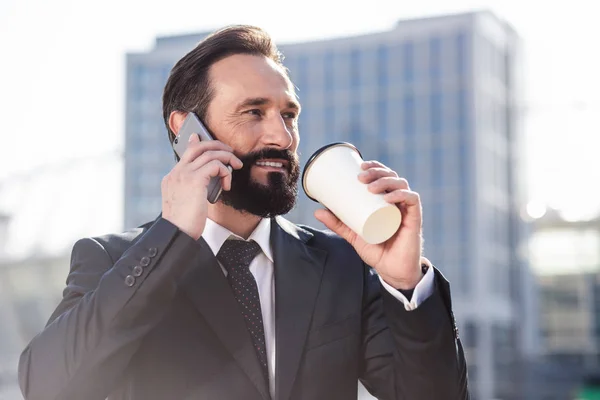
[{"x": 237, "y": 253}]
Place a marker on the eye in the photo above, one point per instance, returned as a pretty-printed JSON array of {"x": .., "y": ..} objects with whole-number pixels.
[
  {"x": 289, "y": 115},
  {"x": 254, "y": 111}
]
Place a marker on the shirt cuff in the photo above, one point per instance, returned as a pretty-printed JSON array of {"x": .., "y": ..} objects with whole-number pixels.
[{"x": 423, "y": 290}]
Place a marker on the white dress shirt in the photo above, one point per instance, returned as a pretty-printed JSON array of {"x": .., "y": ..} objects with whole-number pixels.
[{"x": 262, "y": 270}]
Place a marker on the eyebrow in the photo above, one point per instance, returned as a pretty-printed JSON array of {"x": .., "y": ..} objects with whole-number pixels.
[{"x": 261, "y": 101}]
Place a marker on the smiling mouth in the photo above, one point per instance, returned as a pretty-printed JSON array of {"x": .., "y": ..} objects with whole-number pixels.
[
  {"x": 269, "y": 164},
  {"x": 273, "y": 165}
]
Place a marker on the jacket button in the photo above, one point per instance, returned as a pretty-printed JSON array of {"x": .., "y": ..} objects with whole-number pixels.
[
  {"x": 129, "y": 280},
  {"x": 152, "y": 252},
  {"x": 137, "y": 271},
  {"x": 145, "y": 261}
]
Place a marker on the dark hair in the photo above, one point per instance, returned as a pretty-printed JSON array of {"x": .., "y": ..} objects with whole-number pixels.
[{"x": 189, "y": 88}]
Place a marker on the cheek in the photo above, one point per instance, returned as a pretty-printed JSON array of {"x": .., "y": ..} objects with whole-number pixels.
[
  {"x": 296, "y": 141},
  {"x": 244, "y": 141}
]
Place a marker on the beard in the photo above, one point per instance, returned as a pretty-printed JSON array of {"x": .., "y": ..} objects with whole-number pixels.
[{"x": 277, "y": 197}]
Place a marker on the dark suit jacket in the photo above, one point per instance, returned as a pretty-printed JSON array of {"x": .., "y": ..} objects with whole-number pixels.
[{"x": 175, "y": 332}]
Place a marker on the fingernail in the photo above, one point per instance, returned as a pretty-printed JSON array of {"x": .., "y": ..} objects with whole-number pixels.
[
  {"x": 364, "y": 173},
  {"x": 191, "y": 137}
]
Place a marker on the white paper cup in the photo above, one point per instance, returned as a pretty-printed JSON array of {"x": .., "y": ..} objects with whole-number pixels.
[{"x": 330, "y": 177}]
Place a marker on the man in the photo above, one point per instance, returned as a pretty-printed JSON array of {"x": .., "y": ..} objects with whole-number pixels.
[{"x": 231, "y": 301}]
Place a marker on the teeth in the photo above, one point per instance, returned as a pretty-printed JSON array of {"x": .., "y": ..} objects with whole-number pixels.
[{"x": 270, "y": 164}]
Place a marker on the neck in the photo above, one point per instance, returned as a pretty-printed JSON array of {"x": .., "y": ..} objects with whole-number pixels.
[{"x": 239, "y": 222}]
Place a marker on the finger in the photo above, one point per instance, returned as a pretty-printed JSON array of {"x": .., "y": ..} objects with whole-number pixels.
[
  {"x": 375, "y": 173},
  {"x": 212, "y": 169},
  {"x": 196, "y": 147},
  {"x": 226, "y": 157},
  {"x": 388, "y": 184},
  {"x": 372, "y": 164},
  {"x": 332, "y": 222},
  {"x": 226, "y": 182},
  {"x": 404, "y": 197}
]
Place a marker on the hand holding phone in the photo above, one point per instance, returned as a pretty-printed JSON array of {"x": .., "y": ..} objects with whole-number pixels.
[
  {"x": 193, "y": 125},
  {"x": 203, "y": 167}
]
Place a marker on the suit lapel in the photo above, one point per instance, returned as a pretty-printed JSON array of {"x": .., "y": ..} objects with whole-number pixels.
[
  {"x": 207, "y": 288},
  {"x": 298, "y": 272}
]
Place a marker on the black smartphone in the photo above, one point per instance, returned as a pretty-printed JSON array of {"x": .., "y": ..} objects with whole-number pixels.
[{"x": 192, "y": 125}]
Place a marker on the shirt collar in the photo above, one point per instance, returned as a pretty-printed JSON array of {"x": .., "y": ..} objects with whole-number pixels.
[{"x": 215, "y": 235}]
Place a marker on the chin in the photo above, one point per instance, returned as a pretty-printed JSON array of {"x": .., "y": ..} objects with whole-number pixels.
[{"x": 264, "y": 180}]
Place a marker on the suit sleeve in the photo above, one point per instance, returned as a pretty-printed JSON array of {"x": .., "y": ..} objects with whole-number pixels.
[
  {"x": 106, "y": 310},
  {"x": 411, "y": 355}
]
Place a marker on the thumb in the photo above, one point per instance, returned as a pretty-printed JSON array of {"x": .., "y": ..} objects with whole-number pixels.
[{"x": 335, "y": 224}]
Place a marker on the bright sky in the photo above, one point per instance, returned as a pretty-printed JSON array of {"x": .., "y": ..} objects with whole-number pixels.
[{"x": 62, "y": 72}]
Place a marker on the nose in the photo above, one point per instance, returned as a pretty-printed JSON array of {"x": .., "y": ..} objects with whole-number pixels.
[{"x": 277, "y": 133}]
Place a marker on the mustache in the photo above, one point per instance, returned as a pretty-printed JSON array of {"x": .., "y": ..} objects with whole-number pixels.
[{"x": 270, "y": 152}]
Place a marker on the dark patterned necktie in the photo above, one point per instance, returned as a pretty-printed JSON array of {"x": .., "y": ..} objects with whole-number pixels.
[{"x": 236, "y": 256}]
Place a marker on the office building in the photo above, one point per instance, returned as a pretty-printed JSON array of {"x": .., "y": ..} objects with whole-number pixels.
[
  {"x": 565, "y": 257},
  {"x": 436, "y": 99}
]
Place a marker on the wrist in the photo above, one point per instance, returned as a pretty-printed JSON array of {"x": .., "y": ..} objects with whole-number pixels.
[
  {"x": 409, "y": 282},
  {"x": 403, "y": 284},
  {"x": 193, "y": 233}
]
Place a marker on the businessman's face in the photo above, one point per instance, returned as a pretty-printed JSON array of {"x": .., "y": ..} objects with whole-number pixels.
[{"x": 255, "y": 111}]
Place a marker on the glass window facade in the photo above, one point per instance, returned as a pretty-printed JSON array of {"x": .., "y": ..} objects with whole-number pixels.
[
  {"x": 383, "y": 68},
  {"x": 408, "y": 62},
  {"x": 355, "y": 75},
  {"x": 409, "y": 115},
  {"x": 462, "y": 55},
  {"x": 436, "y": 117},
  {"x": 435, "y": 60}
]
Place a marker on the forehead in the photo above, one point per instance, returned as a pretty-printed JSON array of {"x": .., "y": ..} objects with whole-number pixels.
[{"x": 242, "y": 76}]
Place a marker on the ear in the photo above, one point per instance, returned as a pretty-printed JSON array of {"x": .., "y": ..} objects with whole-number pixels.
[{"x": 176, "y": 120}]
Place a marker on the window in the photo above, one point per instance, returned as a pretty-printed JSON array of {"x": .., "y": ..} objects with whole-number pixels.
[
  {"x": 500, "y": 278},
  {"x": 409, "y": 115},
  {"x": 382, "y": 67},
  {"x": 554, "y": 297},
  {"x": 328, "y": 72},
  {"x": 464, "y": 266},
  {"x": 461, "y": 54},
  {"x": 408, "y": 50},
  {"x": 355, "y": 68},
  {"x": 329, "y": 118},
  {"x": 383, "y": 152},
  {"x": 502, "y": 344},
  {"x": 502, "y": 227},
  {"x": 464, "y": 272},
  {"x": 464, "y": 162},
  {"x": 435, "y": 59},
  {"x": 462, "y": 111},
  {"x": 409, "y": 161},
  {"x": 382, "y": 119},
  {"x": 506, "y": 69},
  {"x": 435, "y": 224},
  {"x": 437, "y": 162},
  {"x": 355, "y": 132},
  {"x": 436, "y": 114},
  {"x": 470, "y": 337}
]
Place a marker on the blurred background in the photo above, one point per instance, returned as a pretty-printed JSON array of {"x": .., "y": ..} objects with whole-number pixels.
[{"x": 489, "y": 108}]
